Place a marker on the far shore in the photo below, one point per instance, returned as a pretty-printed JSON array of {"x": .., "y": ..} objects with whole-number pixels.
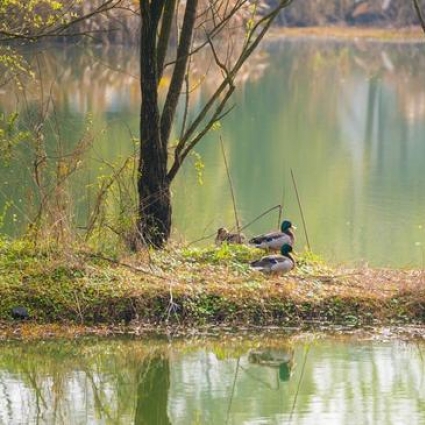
[{"x": 408, "y": 34}]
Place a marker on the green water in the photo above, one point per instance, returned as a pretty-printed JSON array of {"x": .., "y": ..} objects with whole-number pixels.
[
  {"x": 274, "y": 378},
  {"x": 347, "y": 118}
]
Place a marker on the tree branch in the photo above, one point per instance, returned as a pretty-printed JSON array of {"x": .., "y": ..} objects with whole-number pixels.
[
  {"x": 216, "y": 30},
  {"x": 58, "y": 29},
  {"x": 186, "y": 142},
  {"x": 419, "y": 13},
  {"x": 164, "y": 35},
  {"x": 177, "y": 78},
  {"x": 187, "y": 147}
]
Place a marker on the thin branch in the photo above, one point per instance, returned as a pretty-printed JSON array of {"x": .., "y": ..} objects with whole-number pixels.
[
  {"x": 126, "y": 265},
  {"x": 186, "y": 104},
  {"x": 307, "y": 350},
  {"x": 51, "y": 35},
  {"x": 235, "y": 210},
  {"x": 301, "y": 210},
  {"x": 108, "y": 5},
  {"x": 103, "y": 191},
  {"x": 229, "y": 407},
  {"x": 262, "y": 215},
  {"x": 216, "y": 30},
  {"x": 184, "y": 146},
  {"x": 419, "y": 13},
  {"x": 242, "y": 228},
  {"x": 217, "y": 59},
  {"x": 58, "y": 30}
]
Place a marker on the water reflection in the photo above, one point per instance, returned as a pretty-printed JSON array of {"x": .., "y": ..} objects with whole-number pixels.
[
  {"x": 274, "y": 358},
  {"x": 266, "y": 379},
  {"x": 152, "y": 390},
  {"x": 347, "y": 118},
  {"x": 340, "y": 115}
]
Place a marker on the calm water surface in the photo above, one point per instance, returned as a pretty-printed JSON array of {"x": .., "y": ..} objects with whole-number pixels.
[
  {"x": 268, "y": 379},
  {"x": 348, "y": 118}
]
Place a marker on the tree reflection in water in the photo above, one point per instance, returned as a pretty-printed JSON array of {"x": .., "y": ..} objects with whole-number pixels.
[
  {"x": 152, "y": 391},
  {"x": 233, "y": 379}
]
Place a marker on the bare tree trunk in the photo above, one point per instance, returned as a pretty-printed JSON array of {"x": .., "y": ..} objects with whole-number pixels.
[
  {"x": 152, "y": 391},
  {"x": 154, "y": 189},
  {"x": 153, "y": 184}
]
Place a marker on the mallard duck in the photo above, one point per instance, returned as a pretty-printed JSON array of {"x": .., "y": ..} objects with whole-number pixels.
[
  {"x": 279, "y": 358},
  {"x": 276, "y": 263},
  {"x": 275, "y": 240},
  {"x": 223, "y": 235}
]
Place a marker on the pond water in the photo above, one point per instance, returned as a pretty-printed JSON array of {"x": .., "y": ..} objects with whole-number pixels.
[
  {"x": 346, "y": 119},
  {"x": 273, "y": 378}
]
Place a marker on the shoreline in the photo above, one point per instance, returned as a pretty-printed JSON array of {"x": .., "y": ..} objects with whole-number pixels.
[
  {"x": 212, "y": 287},
  {"x": 36, "y": 332},
  {"x": 370, "y": 34}
]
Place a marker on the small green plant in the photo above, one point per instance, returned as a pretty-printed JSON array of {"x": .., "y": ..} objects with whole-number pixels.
[
  {"x": 112, "y": 223},
  {"x": 225, "y": 253},
  {"x": 10, "y": 136},
  {"x": 199, "y": 166}
]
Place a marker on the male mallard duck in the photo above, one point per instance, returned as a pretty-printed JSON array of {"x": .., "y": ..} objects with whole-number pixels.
[
  {"x": 223, "y": 235},
  {"x": 275, "y": 240},
  {"x": 278, "y": 263}
]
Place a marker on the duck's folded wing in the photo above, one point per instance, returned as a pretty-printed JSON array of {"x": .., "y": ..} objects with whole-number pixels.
[
  {"x": 266, "y": 237},
  {"x": 267, "y": 261}
]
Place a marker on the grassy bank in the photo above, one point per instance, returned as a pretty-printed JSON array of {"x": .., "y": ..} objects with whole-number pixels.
[{"x": 195, "y": 287}]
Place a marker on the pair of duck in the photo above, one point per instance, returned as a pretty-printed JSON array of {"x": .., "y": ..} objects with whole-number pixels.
[{"x": 282, "y": 240}]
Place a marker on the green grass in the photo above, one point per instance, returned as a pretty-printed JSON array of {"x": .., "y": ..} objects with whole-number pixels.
[{"x": 186, "y": 287}]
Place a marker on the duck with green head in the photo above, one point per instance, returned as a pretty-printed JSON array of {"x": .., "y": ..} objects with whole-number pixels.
[
  {"x": 275, "y": 240},
  {"x": 276, "y": 263}
]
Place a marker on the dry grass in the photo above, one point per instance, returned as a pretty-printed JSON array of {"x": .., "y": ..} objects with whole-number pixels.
[
  {"x": 408, "y": 34},
  {"x": 212, "y": 286}
]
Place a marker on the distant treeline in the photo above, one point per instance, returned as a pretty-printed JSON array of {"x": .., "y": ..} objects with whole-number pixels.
[
  {"x": 123, "y": 27},
  {"x": 395, "y": 13},
  {"x": 122, "y": 24}
]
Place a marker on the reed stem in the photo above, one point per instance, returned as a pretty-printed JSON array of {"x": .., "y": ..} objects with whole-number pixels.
[
  {"x": 301, "y": 210},
  {"x": 238, "y": 227}
]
